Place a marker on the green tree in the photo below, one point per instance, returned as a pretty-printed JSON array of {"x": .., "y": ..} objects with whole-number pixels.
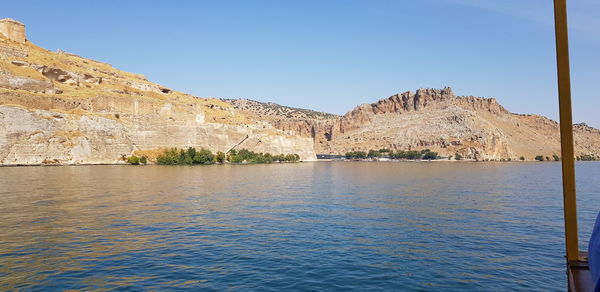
[
  {"x": 428, "y": 155},
  {"x": 396, "y": 155},
  {"x": 458, "y": 156},
  {"x": 191, "y": 152},
  {"x": 280, "y": 158},
  {"x": 204, "y": 156},
  {"x": 539, "y": 158},
  {"x": 413, "y": 155},
  {"x": 184, "y": 158},
  {"x": 521, "y": 158},
  {"x": 373, "y": 154},
  {"x": 556, "y": 158},
  {"x": 144, "y": 160},
  {"x": 244, "y": 155},
  {"x": 268, "y": 158},
  {"x": 169, "y": 157}
]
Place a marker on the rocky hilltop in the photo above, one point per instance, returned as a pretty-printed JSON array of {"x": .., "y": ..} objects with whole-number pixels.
[
  {"x": 436, "y": 119},
  {"x": 57, "y": 107}
]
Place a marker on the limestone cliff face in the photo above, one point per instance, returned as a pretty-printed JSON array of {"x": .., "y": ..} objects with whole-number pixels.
[
  {"x": 59, "y": 108},
  {"x": 436, "y": 119},
  {"x": 50, "y": 137}
]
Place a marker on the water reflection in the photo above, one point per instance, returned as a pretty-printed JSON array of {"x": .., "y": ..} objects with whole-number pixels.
[{"x": 310, "y": 226}]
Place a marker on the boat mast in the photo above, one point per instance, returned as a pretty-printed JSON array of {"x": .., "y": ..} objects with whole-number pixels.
[{"x": 566, "y": 130}]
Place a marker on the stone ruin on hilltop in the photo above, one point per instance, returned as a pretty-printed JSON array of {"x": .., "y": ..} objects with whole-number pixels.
[{"x": 13, "y": 30}]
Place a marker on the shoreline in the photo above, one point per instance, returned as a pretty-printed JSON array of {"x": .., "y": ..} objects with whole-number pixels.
[
  {"x": 319, "y": 160},
  {"x": 128, "y": 164},
  {"x": 436, "y": 160}
]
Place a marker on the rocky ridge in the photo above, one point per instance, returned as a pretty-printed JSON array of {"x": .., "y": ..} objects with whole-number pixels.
[
  {"x": 437, "y": 119},
  {"x": 277, "y": 111}
]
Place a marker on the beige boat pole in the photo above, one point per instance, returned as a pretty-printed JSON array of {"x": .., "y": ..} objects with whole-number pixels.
[{"x": 566, "y": 129}]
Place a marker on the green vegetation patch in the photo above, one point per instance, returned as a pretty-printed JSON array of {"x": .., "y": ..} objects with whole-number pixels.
[
  {"x": 587, "y": 157},
  {"x": 408, "y": 155},
  {"x": 137, "y": 160},
  {"x": 191, "y": 156}
]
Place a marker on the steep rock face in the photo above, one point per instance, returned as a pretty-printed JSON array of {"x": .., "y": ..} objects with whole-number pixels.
[
  {"x": 399, "y": 103},
  {"x": 62, "y": 108},
  {"x": 51, "y": 137},
  {"x": 436, "y": 119},
  {"x": 48, "y": 137}
]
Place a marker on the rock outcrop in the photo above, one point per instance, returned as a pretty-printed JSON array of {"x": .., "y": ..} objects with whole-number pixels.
[
  {"x": 60, "y": 108},
  {"x": 12, "y": 30},
  {"x": 436, "y": 119}
]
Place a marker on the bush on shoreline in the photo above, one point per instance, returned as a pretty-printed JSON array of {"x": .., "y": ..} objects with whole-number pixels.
[
  {"x": 410, "y": 155},
  {"x": 429, "y": 155},
  {"x": 587, "y": 157},
  {"x": 135, "y": 160},
  {"x": 373, "y": 154}
]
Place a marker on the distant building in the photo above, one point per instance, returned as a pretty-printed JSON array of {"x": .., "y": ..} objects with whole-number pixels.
[{"x": 12, "y": 30}]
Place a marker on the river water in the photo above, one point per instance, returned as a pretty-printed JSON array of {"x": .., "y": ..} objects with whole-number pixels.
[{"x": 321, "y": 226}]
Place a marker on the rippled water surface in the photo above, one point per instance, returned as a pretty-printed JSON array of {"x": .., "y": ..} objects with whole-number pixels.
[{"x": 309, "y": 226}]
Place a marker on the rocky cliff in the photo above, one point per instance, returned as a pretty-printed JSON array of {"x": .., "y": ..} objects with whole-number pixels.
[
  {"x": 57, "y": 107},
  {"x": 436, "y": 119}
]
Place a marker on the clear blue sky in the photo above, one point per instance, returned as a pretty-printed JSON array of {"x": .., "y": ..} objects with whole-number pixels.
[{"x": 332, "y": 55}]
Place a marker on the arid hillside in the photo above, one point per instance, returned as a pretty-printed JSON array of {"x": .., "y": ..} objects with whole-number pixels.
[
  {"x": 57, "y": 107},
  {"x": 436, "y": 119}
]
